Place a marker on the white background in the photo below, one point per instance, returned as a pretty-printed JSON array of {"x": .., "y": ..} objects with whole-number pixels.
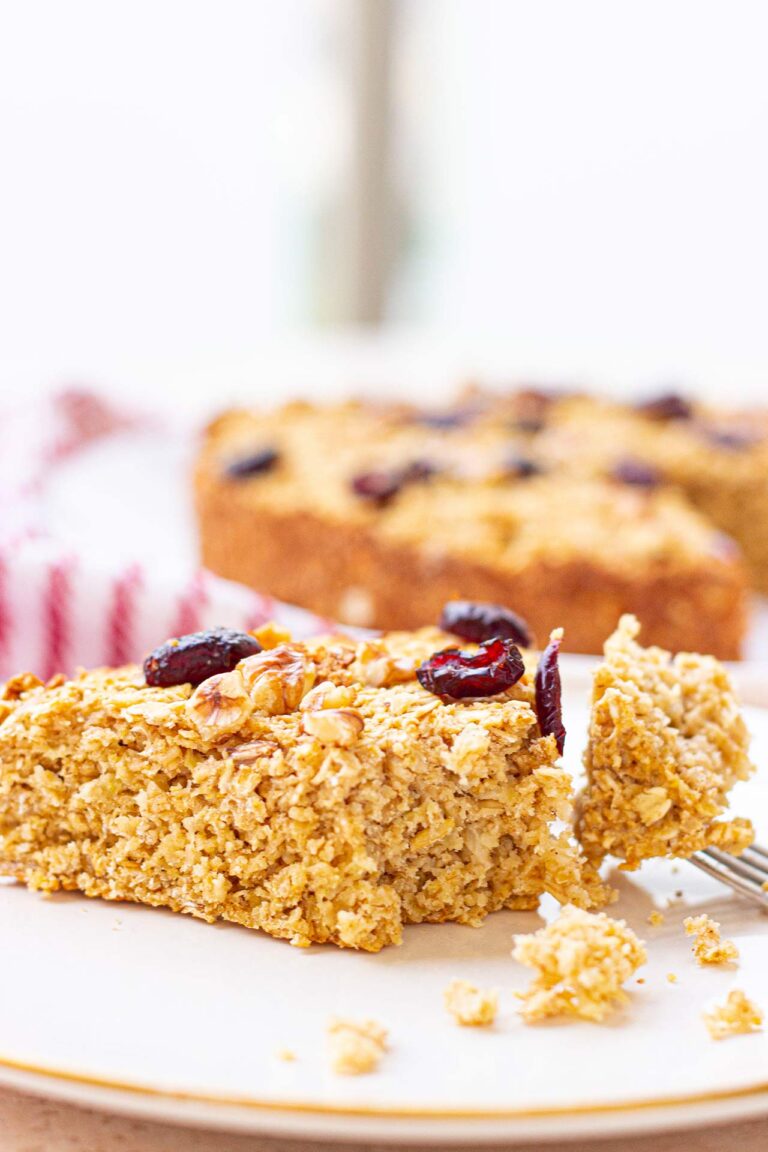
[{"x": 583, "y": 191}]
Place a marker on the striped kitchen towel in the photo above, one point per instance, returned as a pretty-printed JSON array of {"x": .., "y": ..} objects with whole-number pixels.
[{"x": 97, "y": 550}]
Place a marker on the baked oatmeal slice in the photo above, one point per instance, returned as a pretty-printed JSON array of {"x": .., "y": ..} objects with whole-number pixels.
[
  {"x": 316, "y": 791},
  {"x": 376, "y": 514},
  {"x": 667, "y": 741}
]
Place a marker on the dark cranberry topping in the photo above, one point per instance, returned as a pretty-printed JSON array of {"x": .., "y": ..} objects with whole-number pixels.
[
  {"x": 732, "y": 439},
  {"x": 458, "y": 675},
  {"x": 252, "y": 464},
  {"x": 478, "y": 621},
  {"x": 382, "y": 485},
  {"x": 450, "y": 418},
  {"x": 532, "y": 407},
  {"x": 193, "y": 658},
  {"x": 667, "y": 406},
  {"x": 419, "y": 470},
  {"x": 637, "y": 473},
  {"x": 549, "y": 710},
  {"x": 521, "y": 468},
  {"x": 379, "y": 487}
]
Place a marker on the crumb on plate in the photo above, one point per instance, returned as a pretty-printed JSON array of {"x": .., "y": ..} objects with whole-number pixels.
[
  {"x": 471, "y": 1006},
  {"x": 356, "y": 1046},
  {"x": 708, "y": 946},
  {"x": 737, "y": 1016},
  {"x": 582, "y": 959},
  {"x": 656, "y": 918}
]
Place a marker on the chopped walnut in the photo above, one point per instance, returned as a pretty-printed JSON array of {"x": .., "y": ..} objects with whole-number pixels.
[
  {"x": 737, "y": 1016},
  {"x": 708, "y": 947},
  {"x": 356, "y": 1046},
  {"x": 271, "y": 634},
  {"x": 278, "y": 679},
  {"x": 252, "y": 751},
  {"x": 471, "y": 1006},
  {"x": 219, "y": 705},
  {"x": 328, "y": 695},
  {"x": 378, "y": 668},
  {"x": 334, "y": 725}
]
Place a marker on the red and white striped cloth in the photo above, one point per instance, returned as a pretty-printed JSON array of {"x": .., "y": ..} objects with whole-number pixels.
[{"x": 81, "y": 583}]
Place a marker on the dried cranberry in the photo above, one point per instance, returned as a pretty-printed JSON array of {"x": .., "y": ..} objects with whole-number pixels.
[
  {"x": 450, "y": 418},
  {"x": 378, "y": 487},
  {"x": 478, "y": 621},
  {"x": 418, "y": 470},
  {"x": 381, "y": 486},
  {"x": 532, "y": 407},
  {"x": 637, "y": 473},
  {"x": 193, "y": 658},
  {"x": 456, "y": 674},
  {"x": 732, "y": 439},
  {"x": 253, "y": 464},
  {"x": 549, "y": 709},
  {"x": 667, "y": 406},
  {"x": 521, "y": 468}
]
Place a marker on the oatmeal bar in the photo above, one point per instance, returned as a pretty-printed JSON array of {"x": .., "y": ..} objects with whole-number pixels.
[
  {"x": 737, "y": 1017},
  {"x": 666, "y": 743},
  {"x": 473, "y": 1007},
  {"x": 316, "y": 791},
  {"x": 581, "y": 960},
  {"x": 376, "y": 515}
]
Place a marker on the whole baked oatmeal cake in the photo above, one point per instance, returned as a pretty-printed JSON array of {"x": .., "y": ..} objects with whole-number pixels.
[
  {"x": 568, "y": 507},
  {"x": 332, "y": 790},
  {"x": 667, "y": 741}
]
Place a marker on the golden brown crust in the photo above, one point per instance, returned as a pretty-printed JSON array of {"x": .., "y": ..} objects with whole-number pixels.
[{"x": 346, "y": 572}]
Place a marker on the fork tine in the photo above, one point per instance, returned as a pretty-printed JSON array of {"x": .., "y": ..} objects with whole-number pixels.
[
  {"x": 722, "y": 872},
  {"x": 758, "y": 850},
  {"x": 738, "y": 865},
  {"x": 757, "y": 857}
]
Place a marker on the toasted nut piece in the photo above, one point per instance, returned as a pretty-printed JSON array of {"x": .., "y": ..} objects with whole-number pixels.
[
  {"x": 327, "y": 695},
  {"x": 219, "y": 705},
  {"x": 271, "y": 634},
  {"x": 252, "y": 751},
  {"x": 334, "y": 725},
  {"x": 17, "y": 685},
  {"x": 378, "y": 668},
  {"x": 278, "y": 679}
]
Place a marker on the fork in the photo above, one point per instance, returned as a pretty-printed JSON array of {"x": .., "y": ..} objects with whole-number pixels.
[{"x": 747, "y": 874}]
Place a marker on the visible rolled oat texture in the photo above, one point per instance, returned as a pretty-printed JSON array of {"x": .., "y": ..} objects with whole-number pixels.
[
  {"x": 581, "y": 961},
  {"x": 667, "y": 742},
  {"x": 290, "y": 794}
]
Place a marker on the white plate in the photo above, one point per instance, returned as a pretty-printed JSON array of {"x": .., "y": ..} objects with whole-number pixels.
[{"x": 146, "y": 1012}]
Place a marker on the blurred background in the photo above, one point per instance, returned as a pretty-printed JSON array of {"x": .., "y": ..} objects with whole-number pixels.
[{"x": 203, "y": 202}]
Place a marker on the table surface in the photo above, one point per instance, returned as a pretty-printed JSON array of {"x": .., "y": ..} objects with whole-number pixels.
[{"x": 31, "y": 1124}]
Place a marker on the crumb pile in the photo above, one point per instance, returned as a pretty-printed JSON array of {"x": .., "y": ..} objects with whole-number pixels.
[
  {"x": 471, "y": 1006},
  {"x": 581, "y": 960},
  {"x": 356, "y": 1046},
  {"x": 708, "y": 946},
  {"x": 737, "y": 1016}
]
